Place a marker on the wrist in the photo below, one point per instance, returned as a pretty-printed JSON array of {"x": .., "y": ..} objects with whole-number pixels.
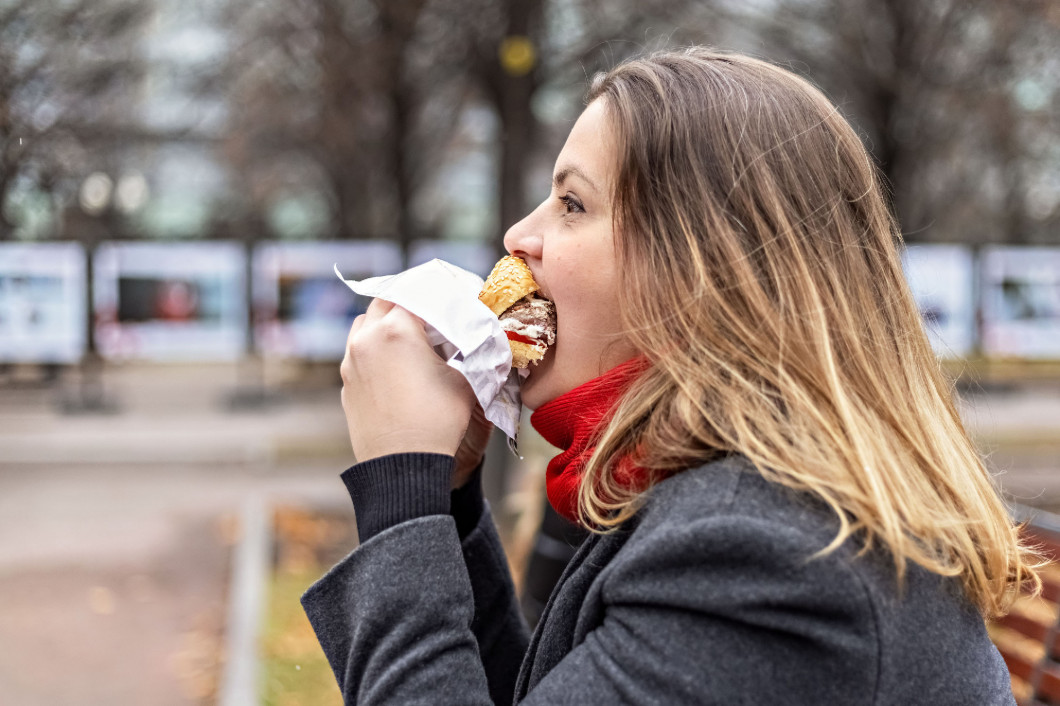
[
  {"x": 371, "y": 444},
  {"x": 394, "y": 488}
]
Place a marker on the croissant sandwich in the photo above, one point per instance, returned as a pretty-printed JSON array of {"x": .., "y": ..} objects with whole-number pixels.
[{"x": 528, "y": 320}]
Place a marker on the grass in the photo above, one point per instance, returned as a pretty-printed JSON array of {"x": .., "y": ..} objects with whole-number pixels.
[
  {"x": 979, "y": 370},
  {"x": 295, "y": 671}
]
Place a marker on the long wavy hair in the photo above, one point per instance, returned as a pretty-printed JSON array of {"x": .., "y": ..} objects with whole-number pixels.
[{"x": 766, "y": 289}]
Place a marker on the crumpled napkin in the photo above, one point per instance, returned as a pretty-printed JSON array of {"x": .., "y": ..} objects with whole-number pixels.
[{"x": 461, "y": 328}]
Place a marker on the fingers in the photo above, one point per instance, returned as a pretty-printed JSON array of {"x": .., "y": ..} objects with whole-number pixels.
[
  {"x": 398, "y": 394},
  {"x": 357, "y": 324},
  {"x": 478, "y": 416},
  {"x": 473, "y": 446},
  {"x": 385, "y": 337},
  {"x": 378, "y": 309}
]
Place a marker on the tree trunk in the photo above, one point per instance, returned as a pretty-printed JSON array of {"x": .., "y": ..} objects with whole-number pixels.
[
  {"x": 519, "y": 126},
  {"x": 401, "y": 127}
]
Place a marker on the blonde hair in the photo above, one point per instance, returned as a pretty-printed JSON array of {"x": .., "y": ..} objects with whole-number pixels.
[{"x": 766, "y": 289}]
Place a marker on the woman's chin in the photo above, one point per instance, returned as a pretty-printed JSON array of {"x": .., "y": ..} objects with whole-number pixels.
[{"x": 534, "y": 388}]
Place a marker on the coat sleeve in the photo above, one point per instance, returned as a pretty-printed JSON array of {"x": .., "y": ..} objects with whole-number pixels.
[
  {"x": 406, "y": 619},
  {"x": 498, "y": 624},
  {"x": 721, "y": 611}
]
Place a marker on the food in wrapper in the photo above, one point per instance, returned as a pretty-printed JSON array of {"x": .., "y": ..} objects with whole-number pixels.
[{"x": 528, "y": 320}]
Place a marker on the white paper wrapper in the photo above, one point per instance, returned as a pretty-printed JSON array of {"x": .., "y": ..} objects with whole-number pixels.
[{"x": 460, "y": 327}]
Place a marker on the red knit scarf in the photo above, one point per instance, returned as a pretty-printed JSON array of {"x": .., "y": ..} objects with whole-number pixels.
[{"x": 570, "y": 423}]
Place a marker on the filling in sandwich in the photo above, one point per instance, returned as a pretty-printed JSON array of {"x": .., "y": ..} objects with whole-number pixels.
[{"x": 531, "y": 320}]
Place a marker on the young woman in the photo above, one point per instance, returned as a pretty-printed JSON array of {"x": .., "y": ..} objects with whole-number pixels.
[{"x": 785, "y": 508}]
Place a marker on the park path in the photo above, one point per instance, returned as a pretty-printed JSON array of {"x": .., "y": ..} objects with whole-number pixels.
[{"x": 116, "y": 531}]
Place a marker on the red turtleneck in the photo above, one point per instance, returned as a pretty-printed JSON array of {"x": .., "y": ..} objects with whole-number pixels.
[{"x": 571, "y": 421}]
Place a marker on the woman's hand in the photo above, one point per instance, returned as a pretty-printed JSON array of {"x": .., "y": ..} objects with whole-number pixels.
[
  {"x": 399, "y": 396},
  {"x": 472, "y": 447}
]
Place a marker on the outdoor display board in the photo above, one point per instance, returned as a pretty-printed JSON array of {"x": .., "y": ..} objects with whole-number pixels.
[
  {"x": 1020, "y": 290},
  {"x": 170, "y": 301},
  {"x": 942, "y": 279},
  {"x": 43, "y": 308},
  {"x": 301, "y": 309},
  {"x": 474, "y": 257}
]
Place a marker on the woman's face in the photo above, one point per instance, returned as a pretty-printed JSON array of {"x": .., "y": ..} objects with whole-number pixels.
[{"x": 569, "y": 243}]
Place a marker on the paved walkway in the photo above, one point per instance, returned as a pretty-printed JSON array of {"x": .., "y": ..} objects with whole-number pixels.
[
  {"x": 1018, "y": 430},
  {"x": 115, "y": 530}
]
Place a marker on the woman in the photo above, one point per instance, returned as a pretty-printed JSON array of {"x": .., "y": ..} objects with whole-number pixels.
[{"x": 784, "y": 504}]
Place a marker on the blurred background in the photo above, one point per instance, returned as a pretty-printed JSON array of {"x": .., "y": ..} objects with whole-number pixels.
[{"x": 177, "y": 180}]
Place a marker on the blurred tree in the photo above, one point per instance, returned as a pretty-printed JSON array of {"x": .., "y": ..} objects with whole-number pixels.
[
  {"x": 342, "y": 114},
  {"x": 361, "y": 102},
  {"x": 502, "y": 61},
  {"x": 932, "y": 85},
  {"x": 343, "y": 101},
  {"x": 354, "y": 109},
  {"x": 519, "y": 47},
  {"x": 69, "y": 72},
  {"x": 516, "y": 50}
]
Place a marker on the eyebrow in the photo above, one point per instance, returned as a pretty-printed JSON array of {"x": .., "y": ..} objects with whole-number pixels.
[{"x": 562, "y": 174}]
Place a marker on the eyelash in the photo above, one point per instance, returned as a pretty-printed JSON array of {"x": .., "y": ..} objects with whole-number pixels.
[{"x": 571, "y": 205}]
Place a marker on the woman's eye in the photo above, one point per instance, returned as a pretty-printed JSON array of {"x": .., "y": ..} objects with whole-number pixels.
[{"x": 571, "y": 204}]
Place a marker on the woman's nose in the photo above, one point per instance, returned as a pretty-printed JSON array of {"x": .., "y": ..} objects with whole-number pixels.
[{"x": 524, "y": 239}]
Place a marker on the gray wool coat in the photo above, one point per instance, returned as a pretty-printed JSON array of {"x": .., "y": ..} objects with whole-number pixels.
[{"x": 708, "y": 596}]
